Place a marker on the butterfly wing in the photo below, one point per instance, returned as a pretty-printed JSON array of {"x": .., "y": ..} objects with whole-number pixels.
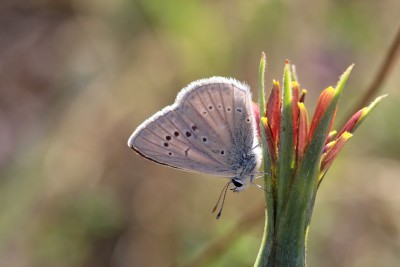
[{"x": 207, "y": 129}]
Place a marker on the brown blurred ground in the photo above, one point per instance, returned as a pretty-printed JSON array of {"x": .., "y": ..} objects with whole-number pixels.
[{"x": 76, "y": 78}]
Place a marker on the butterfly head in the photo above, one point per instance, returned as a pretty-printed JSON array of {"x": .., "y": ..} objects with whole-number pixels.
[{"x": 239, "y": 184}]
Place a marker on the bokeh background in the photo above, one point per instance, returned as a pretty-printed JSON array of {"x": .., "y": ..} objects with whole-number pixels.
[{"x": 77, "y": 77}]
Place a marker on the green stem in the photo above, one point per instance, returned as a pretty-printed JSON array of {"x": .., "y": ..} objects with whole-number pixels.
[
  {"x": 266, "y": 242},
  {"x": 291, "y": 238},
  {"x": 287, "y": 244}
]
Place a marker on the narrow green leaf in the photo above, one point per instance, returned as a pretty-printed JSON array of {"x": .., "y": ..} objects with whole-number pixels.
[
  {"x": 286, "y": 145},
  {"x": 266, "y": 242},
  {"x": 294, "y": 73},
  {"x": 261, "y": 82},
  {"x": 367, "y": 111},
  {"x": 261, "y": 104},
  {"x": 310, "y": 164},
  {"x": 342, "y": 81}
]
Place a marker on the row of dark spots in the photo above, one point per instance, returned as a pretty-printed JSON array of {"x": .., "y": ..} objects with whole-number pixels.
[
  {"x": 222, "y": 152},
  {"x": 188, "y": 134},
  {"x": 228, "y": 109},
  {"x": 176, "y": 134},
  {"x": 168, "y": 137},
  {"x": 219, "y": 106}
]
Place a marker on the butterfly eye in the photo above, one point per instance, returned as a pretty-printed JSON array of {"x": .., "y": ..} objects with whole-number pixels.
[{"x": 237, "y": 183}]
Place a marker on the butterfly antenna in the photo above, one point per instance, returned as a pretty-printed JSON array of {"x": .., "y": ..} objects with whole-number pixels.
[
  {"x": 220, "y": 195},
  {"x": 223, "y": 202},
  {"x": 223, "y": 192}
]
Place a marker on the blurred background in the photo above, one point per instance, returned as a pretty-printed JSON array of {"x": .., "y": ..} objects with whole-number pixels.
[{"x": 77, "y": 77}]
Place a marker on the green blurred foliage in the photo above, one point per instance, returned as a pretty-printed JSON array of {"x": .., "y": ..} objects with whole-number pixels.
[{"x": 77, "y": 77}]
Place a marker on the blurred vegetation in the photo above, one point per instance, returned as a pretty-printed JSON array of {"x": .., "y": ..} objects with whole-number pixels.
[{"x": 78, "y": 76}]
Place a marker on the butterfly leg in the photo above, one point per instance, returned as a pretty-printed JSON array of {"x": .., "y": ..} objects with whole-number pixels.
[{"x": 252, "y": 177}]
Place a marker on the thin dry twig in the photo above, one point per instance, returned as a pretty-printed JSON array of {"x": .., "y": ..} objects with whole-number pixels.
[{"x": 382, "y": 74}]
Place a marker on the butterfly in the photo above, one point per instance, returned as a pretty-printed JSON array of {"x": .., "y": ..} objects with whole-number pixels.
[{"x": 209, "y": 129}]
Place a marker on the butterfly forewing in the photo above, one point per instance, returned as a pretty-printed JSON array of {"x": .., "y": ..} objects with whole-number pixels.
[{"x": 202, "y": 130}]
